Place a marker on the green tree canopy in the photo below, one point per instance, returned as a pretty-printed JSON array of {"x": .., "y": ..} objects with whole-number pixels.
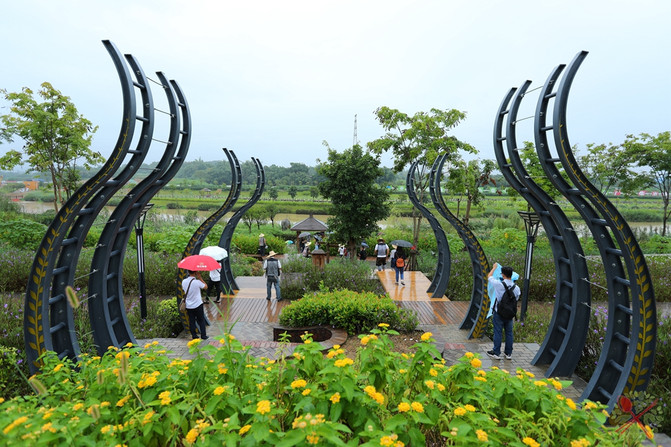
[
  {"x": 55, "y": 137},
  {"x": 357, "y": 202},
  {"x": 608, "y": 166},
  {"x": 420, "y": 137},
  {"x": 653, "y": 153}
]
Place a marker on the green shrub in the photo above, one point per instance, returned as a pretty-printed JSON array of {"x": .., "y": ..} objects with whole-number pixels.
[
  {"x": 163, "y": 319},
  {"x": 355, "y": 312},
  {"x": 300, "y": 276},
  {"x": 22, "y": 233},
  {"x": 173, "y": 205}
]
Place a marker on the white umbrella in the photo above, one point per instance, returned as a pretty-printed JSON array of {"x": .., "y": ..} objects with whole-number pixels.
[{"x": 215, "y": 251}]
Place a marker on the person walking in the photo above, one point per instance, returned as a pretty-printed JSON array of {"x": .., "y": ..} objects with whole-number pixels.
[
  {"x": 381, "y": 253},
  {"x": 262, "y": 244},
  {"x": 398, "y": 263},
  {"x": 363, "y": 254},
  {"x": 215, "y": 280},
  {"x": 502, "y": 286},
  {"x": 273, "y": 269},
  {"x": 192, "y": 286}
]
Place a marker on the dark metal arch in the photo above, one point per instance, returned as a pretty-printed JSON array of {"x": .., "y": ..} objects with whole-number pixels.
[
  {"x": 227, "y": 280},
  {"x": 441, "y": 278},
  {"x": 195, "y": 243},
  {"x": 48, "y": 321},
  {"x": 476, "y": 316},
  {"x": 567, "y": 331},
  {"x": 627, "y": 356},
  {"x": 106, "y": 306}
]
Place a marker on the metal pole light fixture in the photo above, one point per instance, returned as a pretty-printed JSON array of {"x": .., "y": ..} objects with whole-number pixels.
[
  {"x": 531, "y": 223},
  {"x": 139, "y": 228}
]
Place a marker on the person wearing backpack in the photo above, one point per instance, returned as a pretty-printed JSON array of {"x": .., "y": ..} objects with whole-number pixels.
[
  {"x": 273, "y": 270},
  {"x": 398, "y": 262},
  {"x": 505, "y": 308}
]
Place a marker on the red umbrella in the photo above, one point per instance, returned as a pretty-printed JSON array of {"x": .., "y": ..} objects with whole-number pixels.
[{"x": 199, "y": 262}]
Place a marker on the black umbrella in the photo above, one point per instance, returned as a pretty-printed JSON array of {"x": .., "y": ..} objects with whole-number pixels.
[
  {"x": 305, "y": 234},
  {"x": 401, "y": 243}
]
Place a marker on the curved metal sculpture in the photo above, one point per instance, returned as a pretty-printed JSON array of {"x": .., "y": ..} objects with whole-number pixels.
[
  {"x": 476, "y": 316},
  {"x": 227, "y": 280},
  {"x": 107, "y": 311},
  {"x": 628, "y": 351},
  {"x": 438, "y": 285},
  {"x": 567, "y": 331},
  {"x": 48, "y": 318},
  {"x": 196, "y": 242}
]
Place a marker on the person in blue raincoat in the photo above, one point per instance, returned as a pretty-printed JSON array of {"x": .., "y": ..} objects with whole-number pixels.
[{"x": 496, "y": 278}]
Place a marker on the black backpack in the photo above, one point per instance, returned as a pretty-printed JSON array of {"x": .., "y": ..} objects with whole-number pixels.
[{"x": 507, "y": 307}]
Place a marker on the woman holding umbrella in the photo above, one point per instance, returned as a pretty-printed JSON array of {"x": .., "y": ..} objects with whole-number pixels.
[{"x": 192, "y": 285}]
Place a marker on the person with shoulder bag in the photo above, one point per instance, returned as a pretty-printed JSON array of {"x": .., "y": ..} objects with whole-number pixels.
[{"x": 192, "y": 285}]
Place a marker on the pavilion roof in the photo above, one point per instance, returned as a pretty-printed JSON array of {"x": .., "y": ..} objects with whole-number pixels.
[{"x": 310, "y": 224}]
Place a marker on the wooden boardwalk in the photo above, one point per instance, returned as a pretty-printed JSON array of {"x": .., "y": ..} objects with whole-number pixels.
[{"x": 249, "y": 303}]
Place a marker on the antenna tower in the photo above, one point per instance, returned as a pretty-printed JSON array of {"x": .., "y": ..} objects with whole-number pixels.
[{"x": 355, "y": 140}]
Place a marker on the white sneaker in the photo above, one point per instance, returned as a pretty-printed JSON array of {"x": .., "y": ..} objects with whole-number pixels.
[
  {"x": 509, "y": 357},
  {"x": 402, "y": 283}
]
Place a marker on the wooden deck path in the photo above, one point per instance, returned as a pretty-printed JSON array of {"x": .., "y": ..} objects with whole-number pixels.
[{"x": 249, "y": 303}]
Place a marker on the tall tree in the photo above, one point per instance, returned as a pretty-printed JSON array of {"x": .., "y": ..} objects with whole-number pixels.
[
  {"x": 653, "y": 153},
  {"x": 357, "y": 202},
  {"x": 420, "y": 137},
  {"x": 608, "y": 166},
  {"x": 55, "y": 137},
  {"x": 465, "y": 178},
  {"x": 293, "y": 191}
]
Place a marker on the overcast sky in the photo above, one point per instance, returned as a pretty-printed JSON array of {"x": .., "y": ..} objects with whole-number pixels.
[{"x": 273, "y": 79}]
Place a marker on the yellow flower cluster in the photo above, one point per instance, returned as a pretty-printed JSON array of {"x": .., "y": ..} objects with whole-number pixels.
[
  {"x": 244, "y": 429},
  {"x": 263, "y": 407},
  {"x": 391, "y": 441},
  {"x": 430, "y": 384},
  {"x": 312, "y": 439},
  {"x": 460, "y": 411},
  {"x": 426, "y": 336},
  {"x": 373, "y": 393},
  {"x": 341, "y": 363},
  {"x": 300, "y": 383},
  {"x": 582, "y": 442},
  {"x": 165, "y": 397},
  {"x": 367, "y": 338},
  {"x": 476, "y": 363},
  {"x": 383, "y": 325},
  {"x": 335, "y": 398},
  {"x": 556, "y": 384},
  {"x": 17, "y": 422},
  {"x": 148, "y": 379},
  {"x": 123, "y": 401},
  {"x": 147, "y": 417},
  {"x": 531, "y": 442},
  {"x": 335, "y": 351},
  {"x": 220, "y": 390},
  {"x": 482, "y": 435},
  {"x": 221, "y": 367},
  {"x": 194, "y": 342},
  {"x": 571, "y": 404},
  {"x": 192, "y": 435}
]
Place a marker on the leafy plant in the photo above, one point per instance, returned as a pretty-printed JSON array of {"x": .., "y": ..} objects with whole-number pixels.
[
  {"x": 222, "y": 396},
  {"x": 355, "y": 312}
]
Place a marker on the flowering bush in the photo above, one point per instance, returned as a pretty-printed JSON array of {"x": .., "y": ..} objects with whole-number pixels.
[
  {"x": 352, "y": 311},
  {"x": 139, "y": 396}
]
